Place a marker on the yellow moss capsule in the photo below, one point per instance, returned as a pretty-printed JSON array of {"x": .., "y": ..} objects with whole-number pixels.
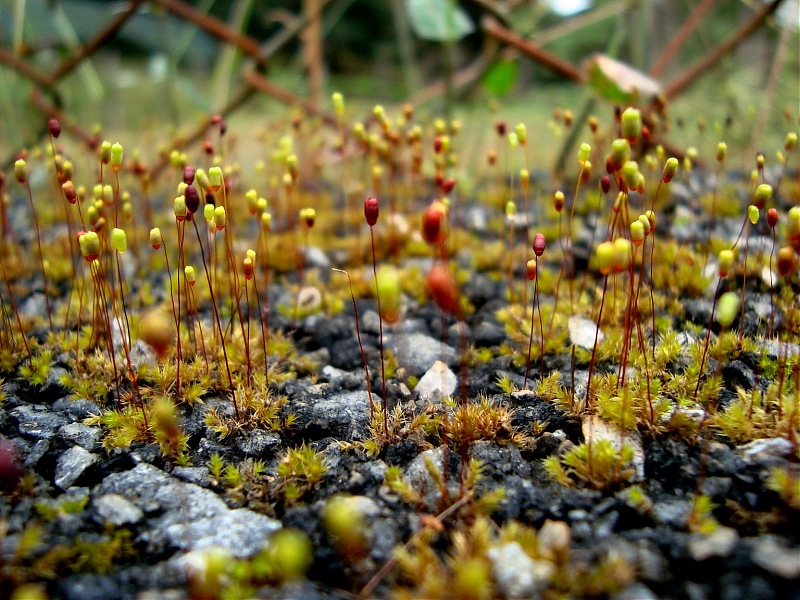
[
  {"x": 266, "y": 222},
  {"x": 725, "y": 262},
  {"x": 189, "y": 273},
  {"x": 670, "y": 169},
  {"x": 155, "y": 238},
  {"x": 790, "y": 142},
  {"x": 116, "y": 156},
  {"x": 220, "y": 218},
  {"x": 645, "y": 223},
  {"x": 252, "y": 201},
  {"x": 179, "y": 208},
  {"x": 513, "y": 141},
  {"x": 763, "y": 195},
  {"x": 620, "y": 152},
  {"x": 631, "y": 124},
  {"x": 583, "y": 153},
  {"x": 722, "y": 151},
  {"x": 558, "y": 201},
  {"x": 21, "y": 171},
  {"x": 215, "y": 178},
  {"x": 208, "y": 213},
  {"x": 604, "y": 255},
  {"x": 251, "y": 254},
  {"x": 202, "y": 179},
  {"x": 389, "y": 292},
  {"x": 524, "y": 179},
  {"x": 338, "y": 104},
  {"x": 622, "y": 255},
  {"x": 522, "y": 133},
  {"x": 637, "y": 233},
  {"x": 248, "y": 268},
  {"x": 90, "y": 245},
  {"x": 105, "y": 152},
  {"x": 119, "y": 240},
  {"x": 727, "y": 309},
  {"x": 511, "y": 209},
  {"x": 630, "y": 174},
  {"x": 752, "y": 214}
]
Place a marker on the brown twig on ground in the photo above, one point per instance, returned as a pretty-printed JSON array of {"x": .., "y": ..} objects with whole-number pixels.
[
  {"x": 676, "y": 43},
  {"x": 100, "y": 40},
  {"x": 215, "y": 27},
  {"x": 687, "y": 77},
  {"x": 543, "y": 57}
]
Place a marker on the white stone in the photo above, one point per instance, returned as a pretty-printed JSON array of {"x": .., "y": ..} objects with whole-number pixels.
[
  {"x": 582, "y": 332},
  {"x": 437, "y": 383}
]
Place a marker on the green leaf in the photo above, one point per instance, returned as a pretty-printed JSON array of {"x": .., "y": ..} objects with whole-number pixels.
[
  {"x": 501, "y": 77},
  {"x": 439, "y": 20}
]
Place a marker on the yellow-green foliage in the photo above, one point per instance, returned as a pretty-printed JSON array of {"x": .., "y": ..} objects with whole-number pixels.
[
  {"x": 300, "y": 470},
  {"x": 598, "y": 464}
]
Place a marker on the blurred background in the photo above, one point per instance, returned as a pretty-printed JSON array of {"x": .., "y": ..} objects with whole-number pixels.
[{"x": 156, "y": 68}]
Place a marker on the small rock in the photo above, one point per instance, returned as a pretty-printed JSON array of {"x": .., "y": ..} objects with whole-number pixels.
[
  {"x": 719, "y": 543},
  {"x": 582, "y": 332},
  {"x": 437, "y": 383},
  {"x": 417, "y": 352},
  {"x": 118, "y": 510},
  {"x": 80, "y": 434},
  {"x": 775, "y": 348},
  {"x": 737, "y": 374},
  {"x": 37, "y": 421},
  {"x": 142, "y": 355},
  {"x": 77, "y": 410},
  {"x": 345, "y": 416},
  {"x": 601, "y": 430},
  {"x": 71, "y": 466},
  {"x": 36, "y": 452},
  {"x": 637, "y": 591},
  {"x": 487, "y": 334},
  {"x": 766, "y": 451},
  {"x": 554, "y": 538},
  {"x": 196, "y": 475},
  {"x": 775, "y": 558},
  {"x": 419, "y": 476},
  {"x": 672, "y": 512},
  {"x": 315, "y": 256},
  {"x": 517, "y": 574},
  {"x": 256, "y": 442}
]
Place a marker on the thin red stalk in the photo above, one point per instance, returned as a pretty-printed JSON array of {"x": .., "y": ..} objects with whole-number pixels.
[
  {"x": 708, "y": 338},
  {"x": 216, "y": 318},
  {"x": 176, "y": 317},
  {"x": 41, "y": 254},
  {"x": 360, "y": 345},
  {"x": 380, "y": 325},
  {"x": 263, "y": 330},
  {"x": 16, "y": 312}
]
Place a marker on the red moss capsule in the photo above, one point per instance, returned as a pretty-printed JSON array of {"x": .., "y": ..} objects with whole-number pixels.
[
  {"x": 530, "y": 269},
  {"x": 208, "y": 147},
  {"x": 55, "y": 127},
  {"x": 437, "y": 144},
  {"x": 69, "y": 192},
  {"x": 371, "y": 211},
  {"x": 772, "y": 217},
  {"x": 605, "y": 183},
  {"x": 188, "y": 175},
  {"x": 500, "y": 127},
  {"x": 192, "y": 198},
  {"x": 448, "y": 185},
  {"x": 249, "y": 268},
  {"x": 432, "y": 223},
  {"x": 438, "y": 179},
  {"x": 539, "y": 244},
  {"x": 443, "y": 289},
  {"x": 786, "y": 261}
]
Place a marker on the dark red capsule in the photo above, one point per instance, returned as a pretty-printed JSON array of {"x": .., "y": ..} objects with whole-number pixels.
[
  {"x": 539, "y": 244},
  {"x": 448, "y": 185},
  {"x": 772, "y": 217},
  {"x": 55, "y": 127},
  {"x": 371, "y": 211},
  {"x": 188, "y": 175},
  {"x": 192, "y": 198},
  {"x": 605, "y": 183}
]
